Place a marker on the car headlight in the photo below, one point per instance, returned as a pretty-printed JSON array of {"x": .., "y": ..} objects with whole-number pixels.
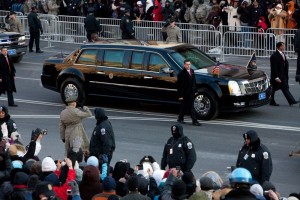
[
  {"x": 234, "y": 88},
  {"x": 21, "y": 38}
]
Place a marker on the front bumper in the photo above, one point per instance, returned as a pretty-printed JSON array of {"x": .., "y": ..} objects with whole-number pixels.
[{"x": 245, "y": 102}]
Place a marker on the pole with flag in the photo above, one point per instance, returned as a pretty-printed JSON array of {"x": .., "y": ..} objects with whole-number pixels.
[{"x": 251, "y": 66}]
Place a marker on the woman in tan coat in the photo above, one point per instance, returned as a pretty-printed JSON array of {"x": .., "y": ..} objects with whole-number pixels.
[
  {"x": 277, "y": 18},
  {"x": 71, "y": 127}
]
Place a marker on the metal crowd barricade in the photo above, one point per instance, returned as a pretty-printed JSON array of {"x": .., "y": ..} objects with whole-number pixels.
[
  {"x": 264, "y": 44},
  {"x": 111, "y": 32},
  {"x": 289, "y": 46},
  {"x": 225, "y": 28},
  {"x": 67, "y": 18},
  {"x": 69, "y": 32},
  {"x": 148, "y": 33},
  {"x": 109, "y": 21}
]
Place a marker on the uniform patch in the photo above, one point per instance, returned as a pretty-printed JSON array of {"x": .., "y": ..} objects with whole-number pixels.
[
  {"x": 253, "y": 155},
  {"x": 15, "y": 126},
  {"x": 102, "y": 131},
  {"x": 266, "y": 155},
  {"x": 179, "y": 145},
  {"x": 189, "y": 145},
  {"x": 94, "y": 133},
  {"x": 173, "y": 128},
  {"x": 127, "y": 20},
  {"x": 111, "y": 75}
]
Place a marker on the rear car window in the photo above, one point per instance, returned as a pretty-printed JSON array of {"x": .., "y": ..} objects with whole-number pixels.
[
  {"x": 113, "y": 58},
  {"x": 87, "y": 57}
]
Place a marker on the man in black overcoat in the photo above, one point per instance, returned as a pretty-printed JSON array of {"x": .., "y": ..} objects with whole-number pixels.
[
  {"x": 7, "y": 76},
  {"x": 186, "y": 91},
  {"x": 280, "y": 75}
]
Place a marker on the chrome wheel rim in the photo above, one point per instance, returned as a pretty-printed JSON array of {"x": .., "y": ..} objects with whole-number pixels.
[
  {"x": 70, "y": 90},
  {"x": 202, "y": 105}
]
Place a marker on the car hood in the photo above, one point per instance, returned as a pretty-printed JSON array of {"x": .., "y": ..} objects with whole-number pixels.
[{"x": 230, "y": 71}]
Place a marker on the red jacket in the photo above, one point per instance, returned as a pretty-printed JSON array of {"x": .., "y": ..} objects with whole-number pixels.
[
  {"x": 157, "y": 11},
  {"x": 61, "y": 191}
]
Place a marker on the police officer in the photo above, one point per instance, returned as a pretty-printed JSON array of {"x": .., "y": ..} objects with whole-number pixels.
[
  {"x": 103, "y": 137},
  {"x": 126, "y": 26},
  {"x": 91, "y": 25},
  {"x": 255, "y": 157},
  {"x": 179, "y": 151},
  {"x": 35, "y": 30}
]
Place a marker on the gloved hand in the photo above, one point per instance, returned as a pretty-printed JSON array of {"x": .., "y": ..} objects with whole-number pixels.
[
  {"x": 151, "y": 159},
  {"x": 63, "y": 140},
  {"x": 42, "y": 31},
  {"x": 75, "y": 188},
  {"x": 104, "y": 158}
]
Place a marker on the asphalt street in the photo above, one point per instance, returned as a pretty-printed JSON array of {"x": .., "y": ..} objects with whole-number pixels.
[{"x": 143, "y": 129}]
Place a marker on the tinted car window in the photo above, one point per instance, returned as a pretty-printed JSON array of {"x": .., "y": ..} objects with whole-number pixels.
[
  {"x": 113, "y": 58},
  {"x": 136, "y": 60},
  {"x": 156, "y": 62},
  {"x": 197, "y": 58},
  {"x": 87, "y": 57}
]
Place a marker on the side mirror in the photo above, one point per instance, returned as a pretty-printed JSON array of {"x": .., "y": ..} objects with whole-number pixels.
[{"x": 166, "y": 70}]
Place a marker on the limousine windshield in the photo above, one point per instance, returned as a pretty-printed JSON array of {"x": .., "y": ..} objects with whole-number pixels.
[{"x": 197, "y": 58}]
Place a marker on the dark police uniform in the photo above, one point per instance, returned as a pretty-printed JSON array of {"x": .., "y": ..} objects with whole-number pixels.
[
  {"x": 35, "y": 28},
  {"x": 91, "y": 25},
  {"x": 103, "y": 138},
  {"x": 256, "y": 158},
  {"x": 126, "y": 27},
  {"x": 178, "y": 151}
]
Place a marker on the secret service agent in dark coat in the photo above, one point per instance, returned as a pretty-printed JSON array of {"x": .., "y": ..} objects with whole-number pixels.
[
  {"x": 7, "y": 76},
  {"x": 178, "y": 151},
  {"x": 186, "y": 89},
  {"x": 91, "y": 25},
  {"x": 126, "y": 26},
  {"x": 35, "y": 30},
  {"x": 280, "y": 72},
  {"x": 240, "y": 194},
  {"x": 255, "y": 157},
  {"x": 103, "y": 138}
]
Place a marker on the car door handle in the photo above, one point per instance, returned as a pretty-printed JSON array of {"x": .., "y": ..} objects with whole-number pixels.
[
  {"x": 148, "y": 77},
  {"x": 100, "y": 72}
]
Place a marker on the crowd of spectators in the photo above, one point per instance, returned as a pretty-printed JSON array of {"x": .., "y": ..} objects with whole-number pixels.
[{"x": 262, "y": 14}]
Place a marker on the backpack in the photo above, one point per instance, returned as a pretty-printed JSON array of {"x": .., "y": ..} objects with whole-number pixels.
[{"x": 201, "y": 13}]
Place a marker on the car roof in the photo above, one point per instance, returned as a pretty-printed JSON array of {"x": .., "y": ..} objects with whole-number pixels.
[{"x": 139, "y": 44}]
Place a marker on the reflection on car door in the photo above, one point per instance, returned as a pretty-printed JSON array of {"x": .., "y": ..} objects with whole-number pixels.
[
  {"x": 158, "y": 80},
  {"x": 114, "y": 77}
]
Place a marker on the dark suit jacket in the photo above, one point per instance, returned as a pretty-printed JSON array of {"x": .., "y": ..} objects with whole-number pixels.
[
  {"x": 186, "y": 85},
  {"x": 280, "y": 69},
  {"x": 7, "y": 77}
]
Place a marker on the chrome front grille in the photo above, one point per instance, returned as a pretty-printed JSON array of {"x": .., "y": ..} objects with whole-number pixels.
[{"x": 256, "y": 85}]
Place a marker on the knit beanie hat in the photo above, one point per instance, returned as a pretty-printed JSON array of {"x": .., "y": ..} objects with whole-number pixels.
[
  {"x": 17, "y": 164},
  {"x": 48, "y": 165},
  {"x": 79, "y": 174},
  {"x": 21, "y": 178},
  {"x": 109, "y": 183},
  {"x": 178, "y": 189},
  {"x": 256, "y": 189},
  {"x": 93, "y": 161},
  {"x": 206, "y": 183},
  {"x": 53, "y": 179}
]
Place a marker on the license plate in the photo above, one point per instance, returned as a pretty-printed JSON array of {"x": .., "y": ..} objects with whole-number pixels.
[
  {"x": 11, "y": 52},
  {"x": 262, "y": 96}
]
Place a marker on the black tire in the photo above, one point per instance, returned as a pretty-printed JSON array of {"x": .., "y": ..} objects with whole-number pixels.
[
  {"x": 71, "y": 87},
  {"x": 17, "y": 59},
  {"x": 206, "y": 104}
]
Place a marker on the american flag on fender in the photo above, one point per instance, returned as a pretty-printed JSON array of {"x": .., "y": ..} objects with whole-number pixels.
[{"x": 216, "y": 70}]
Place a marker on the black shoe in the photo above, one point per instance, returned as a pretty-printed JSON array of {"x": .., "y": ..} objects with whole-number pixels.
[
  {"x": 13, "y": 105},
  {"x": 181, "y": 121},
  {"x": 196, "y": 123},
  {"x": 294, "y": 103},
  {"x": 39, "y": 51},
  {"x": 274, "y": 104},
  {"x": 30, "y": 51}
]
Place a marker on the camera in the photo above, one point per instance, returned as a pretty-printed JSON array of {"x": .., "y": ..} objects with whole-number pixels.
[
  {"x": 266, "y": 193},
  {"x": 140, "y": 167},
  {"x": 44, "y": 132},
  {"x": 235, "y": 16}
]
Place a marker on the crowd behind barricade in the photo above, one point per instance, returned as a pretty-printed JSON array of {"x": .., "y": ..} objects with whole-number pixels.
[
  {"x": 86, "y": 173},
  {"x": 260, "y": 14}
]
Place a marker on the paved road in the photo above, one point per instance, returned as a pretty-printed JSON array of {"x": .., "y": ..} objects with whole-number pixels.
[{"x": 143, "y": 129}]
